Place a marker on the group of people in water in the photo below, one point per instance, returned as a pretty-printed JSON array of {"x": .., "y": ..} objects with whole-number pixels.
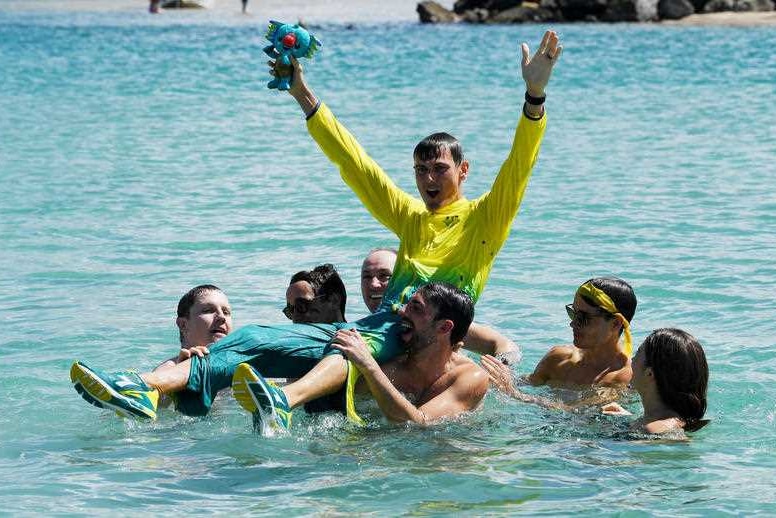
[{"x": 407, "y": 353}]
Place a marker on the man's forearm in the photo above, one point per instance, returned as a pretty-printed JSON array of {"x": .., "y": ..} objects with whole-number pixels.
[
  {"x": 307, "y": 100},
  {"x": 391, "y": 402}
]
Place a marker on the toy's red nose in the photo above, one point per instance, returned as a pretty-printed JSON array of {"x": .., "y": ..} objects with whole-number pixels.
[{"x": 289, "y": 40}]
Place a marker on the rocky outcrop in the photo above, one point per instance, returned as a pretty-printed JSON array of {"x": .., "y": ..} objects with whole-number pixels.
[
  {"x": 674, "y": 9},
  {"x": 716, "y": 6},
  {"x": 541, "y": 11},
  {"x": 432, "y": 12},
  {"x": 526, "y": 13}
]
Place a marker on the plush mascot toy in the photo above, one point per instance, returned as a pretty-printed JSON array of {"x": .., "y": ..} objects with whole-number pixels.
[{"x": 288, "y": 40}]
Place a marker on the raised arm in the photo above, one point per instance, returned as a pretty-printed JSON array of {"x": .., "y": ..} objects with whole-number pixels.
[
  {"x": 537, "y": 70},
  {"x": 382, "y": 198},
  {"x": 504, "y": 198}
]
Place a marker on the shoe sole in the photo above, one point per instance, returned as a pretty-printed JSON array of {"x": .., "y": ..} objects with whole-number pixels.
[
  {"x": 98, "y": 393},
  {"x": 253, "y": 395}
]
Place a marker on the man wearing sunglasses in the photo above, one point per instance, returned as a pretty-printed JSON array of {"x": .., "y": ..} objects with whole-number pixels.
[
  {"x": 317, "y": 295},
  {"x": 600, "y": 355}
]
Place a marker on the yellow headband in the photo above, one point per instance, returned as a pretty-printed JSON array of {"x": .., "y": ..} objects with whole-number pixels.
[{"x": 589, "y": 291}]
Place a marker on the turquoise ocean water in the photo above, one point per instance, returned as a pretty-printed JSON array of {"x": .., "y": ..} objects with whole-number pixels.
[{"x": 142, "y": 155}]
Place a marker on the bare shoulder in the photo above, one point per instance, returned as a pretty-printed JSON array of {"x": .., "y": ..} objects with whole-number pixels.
[
  {"x": 546, "y": 368},
  {"x": 459, "y": 359},
  {"x": 619, "y": 377},
  {"x": 470, "y": 377},
  {"x": 556, "y": 356},
  {"x": 560, "y": 353}
]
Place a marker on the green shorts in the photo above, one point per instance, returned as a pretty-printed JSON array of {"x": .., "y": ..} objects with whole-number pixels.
[{"x": 284, "y": 351}]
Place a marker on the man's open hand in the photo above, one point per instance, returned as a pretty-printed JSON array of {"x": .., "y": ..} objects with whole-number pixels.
[{"x": 537, "y": 69}]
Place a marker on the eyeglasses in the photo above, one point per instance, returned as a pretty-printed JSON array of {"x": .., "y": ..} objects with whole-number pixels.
[
  {"x": 582, "y": 318},
  {"x": 300, "y": 305}
]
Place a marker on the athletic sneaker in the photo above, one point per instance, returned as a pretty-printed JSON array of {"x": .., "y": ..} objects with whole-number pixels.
[
  {"x": 263, "y": 399},
  {"x": 125, "y": 392}
]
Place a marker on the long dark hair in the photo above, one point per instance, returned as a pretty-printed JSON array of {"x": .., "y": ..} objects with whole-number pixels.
[{"x": 681, "y": 373}]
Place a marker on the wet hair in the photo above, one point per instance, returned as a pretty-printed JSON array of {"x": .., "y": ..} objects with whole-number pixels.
[
  {"x": 431, "y": 147},
  {"x": 681, "y": 373},
  {"x": 451, "y": 304},
  {"x": 619, "y": 291},
  {"x": 325, "y": 281},
  {"x": 190, "y": 298}
]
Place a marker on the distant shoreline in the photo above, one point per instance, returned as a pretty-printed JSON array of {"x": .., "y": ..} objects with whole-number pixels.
[
  {"x": 726, "y": 19},
  {"x": 721, "y": 19}
]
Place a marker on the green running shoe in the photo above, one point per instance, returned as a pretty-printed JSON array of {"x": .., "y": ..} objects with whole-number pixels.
[
  {"x": 124, "y": 392},
  {"x": 263, "y": 399}
]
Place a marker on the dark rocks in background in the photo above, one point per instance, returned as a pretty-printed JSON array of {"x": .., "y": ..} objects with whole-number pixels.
[
  {"x": 526, "y": 13},
  {"x": 542, "y": 11},
  {"x": 477, "y": 15},
  {"x": 581, "y": 10},
  {"x": 765, "y": 5},
  {"x": 674, "y": 9},
  {"x": 715, "y": 6},
  {"x": 432, "y": 12},
  {"x": 502, "y": 5},
  {"x": 461, "y": 6},
  {"x": 630, "y": 11}
]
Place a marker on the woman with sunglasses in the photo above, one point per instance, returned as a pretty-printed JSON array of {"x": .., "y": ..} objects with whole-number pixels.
[
  {"x": 600, "y": 316},
  {"x": 671, "y": 375}
]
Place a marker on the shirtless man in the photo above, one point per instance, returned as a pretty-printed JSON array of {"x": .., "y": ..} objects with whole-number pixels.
[
  {"x": 433, "y": 381},
  {"x": 600, "y": 315}
]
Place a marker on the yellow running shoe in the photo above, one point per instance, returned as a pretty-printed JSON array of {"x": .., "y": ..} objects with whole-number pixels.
[
  {"x": 263, "y": 399},
  {"x": 124, "y": 392}
]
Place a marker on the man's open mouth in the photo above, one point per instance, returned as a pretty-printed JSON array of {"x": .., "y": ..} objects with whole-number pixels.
[{"x": 406, "y": 329}]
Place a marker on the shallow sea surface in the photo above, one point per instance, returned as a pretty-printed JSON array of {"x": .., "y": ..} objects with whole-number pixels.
[{"x": 142, "y": 155}]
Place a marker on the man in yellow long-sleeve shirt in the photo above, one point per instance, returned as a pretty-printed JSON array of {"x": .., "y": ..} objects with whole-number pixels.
[{"x": 443, "y": 236}]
